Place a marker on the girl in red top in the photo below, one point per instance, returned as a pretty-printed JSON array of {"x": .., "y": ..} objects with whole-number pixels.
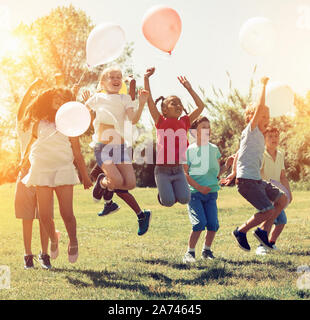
[{"x": 172, "y": 142}]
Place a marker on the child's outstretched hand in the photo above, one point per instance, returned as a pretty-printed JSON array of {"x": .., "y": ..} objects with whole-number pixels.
[
  {"x": 87, "y": 182},
  {"x": 204, "y": 189},
  {"x": 143, "y": 95},
  {"x": 264, "y": 80},
  {"x": 149, "y": 72},
  {"x": 226, "y": 181},
  {"x": 85, "y": 95},
  {"x": 185, "y": 82}
]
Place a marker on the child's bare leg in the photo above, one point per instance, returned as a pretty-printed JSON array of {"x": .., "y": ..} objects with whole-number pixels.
[
  {"x": 113, "y": 178},
  {"x": 276, "y": 232},
  {"x": 45, "y": 197},
  {"x": 128, "y": 174},
  {"x": 27, "y": 235},
  {"x": 130, "y": 200},
  {"x": 44, "y": 239},
  {"x": 210, "y": 235},
  {"x": 65, "y": 200},
  {"x": 266, "y": 218},
  {"x": 193, "y": 239},
  {"x": 278, "y": 207},
  {"x": 255, "y": 220}
]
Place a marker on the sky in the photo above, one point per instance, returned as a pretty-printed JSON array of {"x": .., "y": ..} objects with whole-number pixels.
[{"x": 209, "y": 43}]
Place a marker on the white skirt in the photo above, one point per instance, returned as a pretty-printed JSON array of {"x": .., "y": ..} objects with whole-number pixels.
[
  {"x": 62, "y": 176},
  {"x": 51, "y": 159}
]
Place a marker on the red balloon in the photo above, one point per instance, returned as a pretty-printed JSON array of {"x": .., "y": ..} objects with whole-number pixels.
[{"x": 162, "y": 27}]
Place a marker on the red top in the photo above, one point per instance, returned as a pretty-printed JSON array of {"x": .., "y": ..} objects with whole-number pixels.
[{"x": 172, "y": 140}]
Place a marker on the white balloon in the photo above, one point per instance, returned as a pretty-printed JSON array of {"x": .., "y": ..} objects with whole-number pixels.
[
  {"x": 283, "y": 189},
  {"x": 279, "y": 99},
  {"x": 72, "y": 119},
  {"x": 105, "y": 43},
  {"x": 257, "y": 36}
]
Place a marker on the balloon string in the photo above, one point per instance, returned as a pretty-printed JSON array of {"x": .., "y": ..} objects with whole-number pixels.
[{"x": 82, "y": 76}]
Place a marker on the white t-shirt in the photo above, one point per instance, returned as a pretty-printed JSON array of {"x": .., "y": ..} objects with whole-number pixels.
[
  {"x": 271, "y": 169},
  {"x": 110, "y": 109}
]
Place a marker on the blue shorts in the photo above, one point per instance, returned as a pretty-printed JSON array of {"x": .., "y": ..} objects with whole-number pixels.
[
  {"x": 111, "y": 153},
  {"x": 261, "y": 194},
  {"x": 202, "y": 211},
  {"x": 281, "y": 219}
]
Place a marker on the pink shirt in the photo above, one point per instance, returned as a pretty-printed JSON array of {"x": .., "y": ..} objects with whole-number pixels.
[{"x": 172, "y": 140}]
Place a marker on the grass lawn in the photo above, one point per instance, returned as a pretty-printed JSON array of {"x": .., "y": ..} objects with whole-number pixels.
[{"x": 115, "y": 263}]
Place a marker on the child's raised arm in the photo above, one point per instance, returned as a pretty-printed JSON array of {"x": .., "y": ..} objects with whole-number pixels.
[
  {"x": 200, "y": 105},
  {"x": 133, "y": 115},
  {"x": 79, "y": 161},
  {"x": 150, "y": 102},
  {"x": 27, "y": 97},
  {"x": 261, "y": 105}
]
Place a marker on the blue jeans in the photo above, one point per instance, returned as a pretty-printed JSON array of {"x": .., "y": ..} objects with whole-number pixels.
[
  {"x": 172, "y": 185},
  {"x": 202, "y": 211},
  {"x": 261, "y": 194}
]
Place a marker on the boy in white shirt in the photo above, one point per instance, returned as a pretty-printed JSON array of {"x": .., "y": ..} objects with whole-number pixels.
[{"x": 273, "y": 168}]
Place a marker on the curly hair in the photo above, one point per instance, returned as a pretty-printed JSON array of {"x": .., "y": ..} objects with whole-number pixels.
[{"x": 41, "y": 107}]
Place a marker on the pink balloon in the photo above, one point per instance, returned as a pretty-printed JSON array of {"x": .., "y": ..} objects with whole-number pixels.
[{"x": 162, "y": 27}]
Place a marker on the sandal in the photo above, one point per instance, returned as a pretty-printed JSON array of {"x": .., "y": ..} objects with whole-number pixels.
[
  {"x": 73, "y": 257},
  {"x": 55, "y": 253}
]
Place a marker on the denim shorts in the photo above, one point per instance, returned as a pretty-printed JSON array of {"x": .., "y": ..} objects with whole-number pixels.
[
  {"x": 111, "y": 153},
  {"x": 261, "y": 194},
  {"x": 281, "y": 219},
  {"x": 202, "y": 211}
]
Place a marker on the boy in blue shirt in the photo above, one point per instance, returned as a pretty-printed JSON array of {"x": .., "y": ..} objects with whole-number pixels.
[
  {"x": 201, "y": 170},
  {"x": 266, "y": 198}
]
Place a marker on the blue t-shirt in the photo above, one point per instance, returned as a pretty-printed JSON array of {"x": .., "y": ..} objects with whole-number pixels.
[
  {"x": 203, "y": 165},
  {"x": 250, "y": 154}
]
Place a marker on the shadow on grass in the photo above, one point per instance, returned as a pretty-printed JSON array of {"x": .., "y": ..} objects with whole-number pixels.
[
  {"x": 299, "y": 253},
  {"x": 105, "y": 279},
  {"x": 288, "y": 266},
  {"x": 215, "y": 273},
  {"x": 246, "y": 296}
]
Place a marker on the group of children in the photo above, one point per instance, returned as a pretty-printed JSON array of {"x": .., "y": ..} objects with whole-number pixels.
[{"x": 184, "y": 173}]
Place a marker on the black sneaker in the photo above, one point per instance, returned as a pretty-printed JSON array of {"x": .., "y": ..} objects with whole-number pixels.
[
  {"x": 144, "y": 223},
  {"x": 44, "y": 260},
  {"x": 241, "y": 239},
  {"x": 109, "y": 207},
  {"x": 98, "y": 190},
  {"x": 207, "y": 254},
  {"x": 262, "y": 237},
  {"x": 28, "y": 260}
]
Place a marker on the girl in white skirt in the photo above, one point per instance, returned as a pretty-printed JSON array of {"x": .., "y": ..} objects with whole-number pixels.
[{"x": 51, "y": 155}]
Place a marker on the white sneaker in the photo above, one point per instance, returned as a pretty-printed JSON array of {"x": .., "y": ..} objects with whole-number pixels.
[
  {"x": 274, "y": 247},
  {"x": 189, "y": 257},
  {"x": 261, "y": 251}
]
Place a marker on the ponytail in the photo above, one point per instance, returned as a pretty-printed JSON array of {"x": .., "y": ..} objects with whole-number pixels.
[
  {"x": 185, "y": 111},
  {"x": 158, "y": 99}
]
